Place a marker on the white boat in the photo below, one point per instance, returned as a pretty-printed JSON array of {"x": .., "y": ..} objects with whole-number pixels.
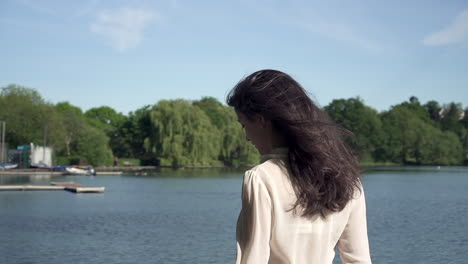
[
  {"x": 77, "y": 171},
  {"x": 7, "y": 166}
]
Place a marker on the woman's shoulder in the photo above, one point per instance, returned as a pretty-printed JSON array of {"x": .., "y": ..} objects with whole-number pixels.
[{"x": 268, "y": 171}]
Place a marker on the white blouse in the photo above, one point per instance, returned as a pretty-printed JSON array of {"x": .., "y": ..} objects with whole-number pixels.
[{"x": 269, "y": 232}]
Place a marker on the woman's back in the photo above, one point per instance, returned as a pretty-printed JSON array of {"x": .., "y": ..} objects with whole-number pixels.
[
  {"x": 307, "y": 199},
  {"x": 270, "y": 232}
]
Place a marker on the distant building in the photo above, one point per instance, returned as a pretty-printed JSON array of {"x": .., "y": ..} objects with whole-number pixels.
[
  {"x": 31, "y": 155},
  {"x": 40, "y": 155}
]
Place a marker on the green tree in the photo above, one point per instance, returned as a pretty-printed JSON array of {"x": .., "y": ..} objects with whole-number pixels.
[
  {"x": 135, "y": 131},
  {"x": 182, "y": 134},
  {"x": 452, "y": 119},
  {"x": 411, "y": 138},
  {"x": 32, "y": 95},
  {"x": 433, "y": 108},
  {"x": 72, "y": 117},
  {"x": 360, "y": 119},
  {"x": 235, "y": 149},
  {"x": 83, "y": 141},
  {"x": 29, "y": 118},
  {"x": 92, "y": 146},
  {"x": 110, "y": 122},
  {"x": 105, "y": 118},
  {"x": 213, "y": 109}
]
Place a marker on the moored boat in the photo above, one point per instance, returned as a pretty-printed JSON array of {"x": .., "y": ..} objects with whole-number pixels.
[
  {"x": 40, "y": 166},
  {"x": 8, "y": 166},
  {"x": 79, "y": 171}
]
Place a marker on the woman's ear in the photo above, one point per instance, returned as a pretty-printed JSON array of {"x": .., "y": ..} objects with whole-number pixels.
[
  {"x": 260, "y": 120},
  {"x": 263, "y": 122}
]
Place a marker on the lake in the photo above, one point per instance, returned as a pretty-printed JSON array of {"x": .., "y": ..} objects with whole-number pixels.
[{"x": 415, "y": 215}]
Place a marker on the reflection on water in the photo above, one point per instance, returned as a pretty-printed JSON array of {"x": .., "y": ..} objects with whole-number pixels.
[
  {"x": 199, "y": 173},
  {"x": 415, "y": 215},
  {"x": 24, "y": 179},
  {"x": 422, "y": 169}
]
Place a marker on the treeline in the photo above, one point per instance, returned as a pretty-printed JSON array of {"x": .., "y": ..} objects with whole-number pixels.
[
  {"x": 170, "y": 133},
  {"x": 408, "y": 133},
  {"x": 205, "y": 132}
]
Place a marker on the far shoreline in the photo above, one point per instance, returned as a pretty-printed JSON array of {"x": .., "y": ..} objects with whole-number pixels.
[{"x": 142, "y": 169}]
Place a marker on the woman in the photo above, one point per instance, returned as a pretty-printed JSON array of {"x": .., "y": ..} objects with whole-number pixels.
[{"x": 306, "y": 198}]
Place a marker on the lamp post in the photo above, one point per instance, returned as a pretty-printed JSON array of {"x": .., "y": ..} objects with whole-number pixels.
[
  {"x": 45, "y": 145},
  {"x": 2, "y": 152}
]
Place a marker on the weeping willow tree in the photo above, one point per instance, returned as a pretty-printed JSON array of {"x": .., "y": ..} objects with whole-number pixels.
[
  {"x": 235, "y": 149},
  {"x": 182, "y": 135},
  {"x": 200, "y": 134}
]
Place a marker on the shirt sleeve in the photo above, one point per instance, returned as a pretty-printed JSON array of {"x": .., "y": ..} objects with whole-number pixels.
[
  {"x": 353, "y": 243},
  {"x": 254, "y": 223}
]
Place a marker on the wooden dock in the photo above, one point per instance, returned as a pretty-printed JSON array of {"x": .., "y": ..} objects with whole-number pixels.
[
  {"x": 19, "y": 172},
  {"x": 31, "y": 172},
  {"x": 30, "y": 188},
  {"x": 78, "y": 188},
  {"x": 67, "y": 186},
  {"x": 109, "y": 173}
]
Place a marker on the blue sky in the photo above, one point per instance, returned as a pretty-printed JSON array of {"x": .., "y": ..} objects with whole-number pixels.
[{"x": 127, "y": 54}]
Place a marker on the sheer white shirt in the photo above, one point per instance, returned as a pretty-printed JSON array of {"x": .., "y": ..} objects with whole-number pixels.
[{"x": 268, "y": 231}]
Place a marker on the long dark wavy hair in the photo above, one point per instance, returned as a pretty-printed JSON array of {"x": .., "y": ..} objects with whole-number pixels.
[{"x": 323, "y": 171}]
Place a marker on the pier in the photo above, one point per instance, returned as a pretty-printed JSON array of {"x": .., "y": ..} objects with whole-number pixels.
[
  {"x": 48, "y": 172},
  {"x": 54, "y": 186}
]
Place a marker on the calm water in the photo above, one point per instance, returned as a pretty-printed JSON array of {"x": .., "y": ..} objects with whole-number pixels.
[{"x": 415, "y": 215}]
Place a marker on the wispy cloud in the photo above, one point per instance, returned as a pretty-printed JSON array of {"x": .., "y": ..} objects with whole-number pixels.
[
  {"x": 342, "y": 32},
  {"x": 123, "y": 27},
  {"x": 453, "y": 33}
]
